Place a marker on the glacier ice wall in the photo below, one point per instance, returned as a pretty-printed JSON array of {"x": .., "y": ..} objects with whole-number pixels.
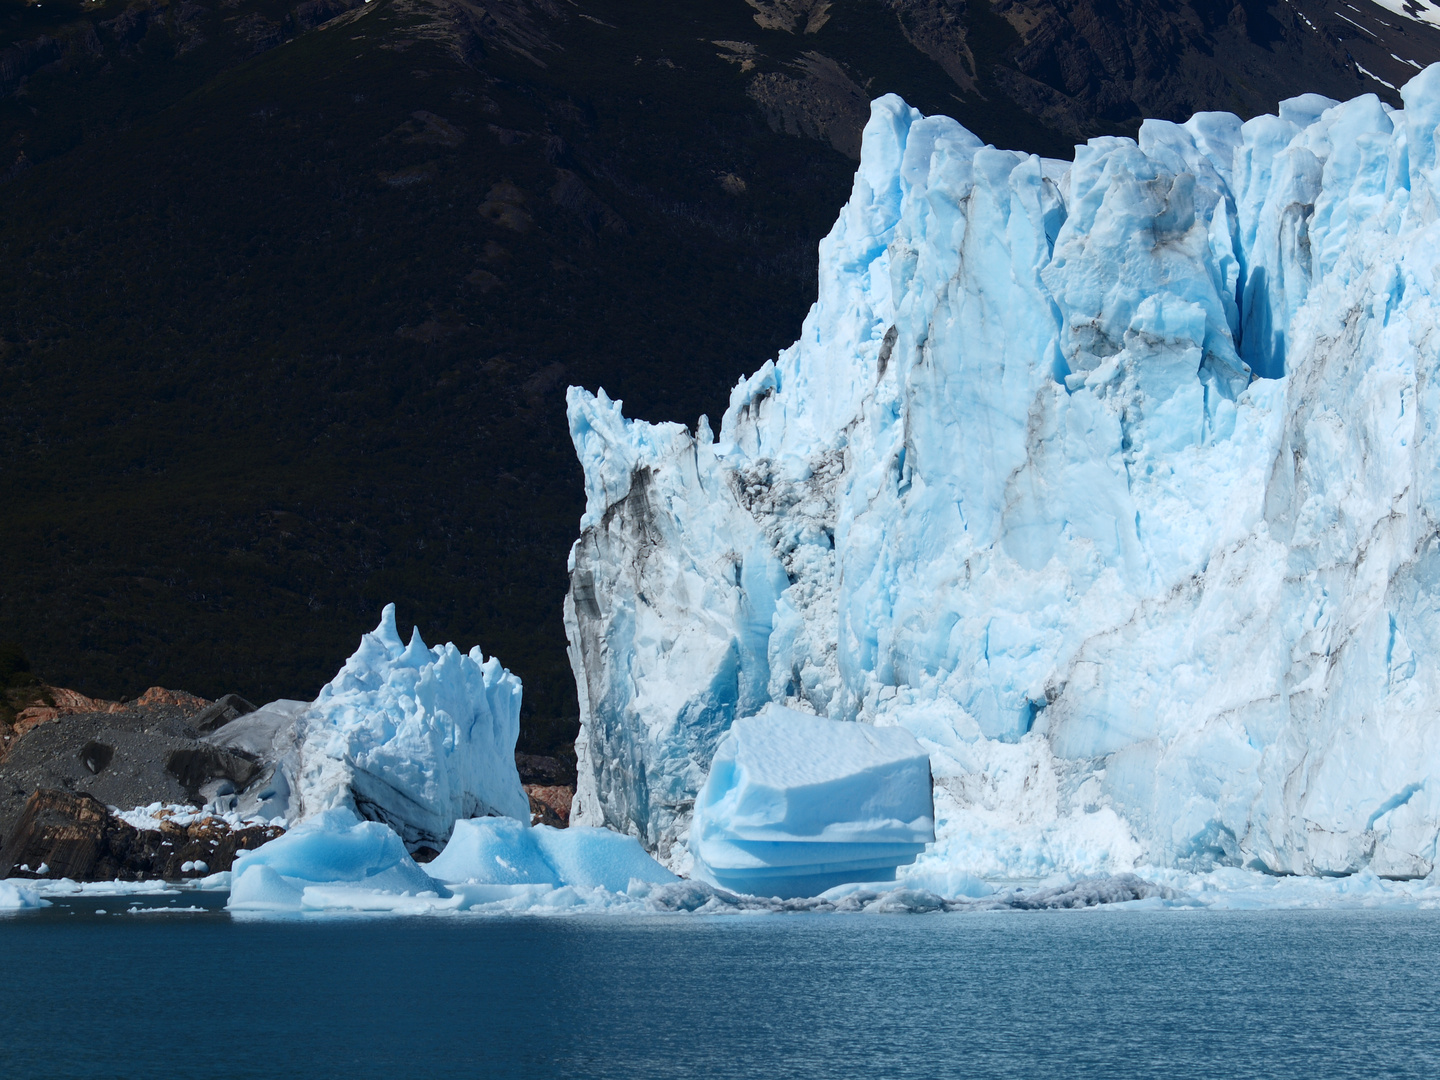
[
  {"x": 1114, "y": 482},
  {"x": 413, "y": 737}
]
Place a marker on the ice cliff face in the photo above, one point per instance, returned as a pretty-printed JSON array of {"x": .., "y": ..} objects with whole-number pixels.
[{"x": 1115, "y": 483}]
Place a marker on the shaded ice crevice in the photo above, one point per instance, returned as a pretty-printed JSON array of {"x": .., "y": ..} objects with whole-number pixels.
[{"x": 1018, "y": 489}]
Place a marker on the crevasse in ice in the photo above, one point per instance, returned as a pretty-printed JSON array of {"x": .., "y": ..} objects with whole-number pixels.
[{"x": 1114, "y": 482}]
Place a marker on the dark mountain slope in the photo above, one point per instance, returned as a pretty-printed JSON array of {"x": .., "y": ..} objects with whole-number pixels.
[{"x": 289, "y": 295}]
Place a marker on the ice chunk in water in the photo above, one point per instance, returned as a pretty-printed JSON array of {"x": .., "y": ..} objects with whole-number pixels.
[
  {"x": 796, "y": 804},
  {"x": 591, "y": 858},
  {"x": 492, "y": 851},
  {"x": 332, "y": 847},
  {"x": 499, "y": 851},
  {"x": 15, "y": 895}
]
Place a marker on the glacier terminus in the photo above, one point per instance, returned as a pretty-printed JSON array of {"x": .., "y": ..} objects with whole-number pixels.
[{"x": 1115, "y": 483}]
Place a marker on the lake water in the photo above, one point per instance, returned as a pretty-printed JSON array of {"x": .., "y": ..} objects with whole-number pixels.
[{"x": 1098, "y": 993}]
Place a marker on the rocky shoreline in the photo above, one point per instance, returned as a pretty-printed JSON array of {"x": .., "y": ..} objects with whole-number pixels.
[
  {"x": 72, "y": 767},
  {"x": 65, "y": 835}
]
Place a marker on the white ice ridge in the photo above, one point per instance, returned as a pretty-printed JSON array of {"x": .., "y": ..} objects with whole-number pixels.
[
  {"x": 796, "y": 804},
  {"x": 413, "y": 736},
  {"x": 1018, "y": 489}
]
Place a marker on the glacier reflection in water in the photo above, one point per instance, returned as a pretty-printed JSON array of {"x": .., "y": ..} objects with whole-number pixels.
[{"x": 1004, "y": 994}]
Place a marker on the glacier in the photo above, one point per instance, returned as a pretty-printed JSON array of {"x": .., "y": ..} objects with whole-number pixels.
[
  {"x": 795, "y": 804},
  {"x": 1114, "y": 482}
]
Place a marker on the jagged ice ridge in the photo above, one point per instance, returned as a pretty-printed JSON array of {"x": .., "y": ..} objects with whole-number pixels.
[
  {"x": 415, "y": 737},
  {"x": 1113, "y": 482},
  {"x": 408, "y": 735}
]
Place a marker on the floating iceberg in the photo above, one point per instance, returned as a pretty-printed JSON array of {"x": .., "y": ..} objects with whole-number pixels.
[
  {"x": 1115, "y": 482},
  {"x": 333, "y": 848},
  {"x": 336, "y": 862},
  {"x": 497, "y": 851},
  {"x": 493, "y": 852},
  {"x": 408, "y": 735},
  {"x": 797, "y": 804},
  {"x": 415, "y": 737},
  {"x": 16, "y": 896}
]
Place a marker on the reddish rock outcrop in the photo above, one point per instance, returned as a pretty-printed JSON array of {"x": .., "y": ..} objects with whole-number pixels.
[
  {"x": 158, "y": 695},
  {"x": 550, "y": 784},
  {"x": 550, "y": 805}
]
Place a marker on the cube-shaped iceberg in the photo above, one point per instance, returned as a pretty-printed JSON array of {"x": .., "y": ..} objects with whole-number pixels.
[{"x": 795, "y": 804}]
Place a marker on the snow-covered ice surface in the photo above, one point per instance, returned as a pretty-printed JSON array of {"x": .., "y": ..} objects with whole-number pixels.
[
  {"x": 157, "y": 814},
  {"x": 60, "y": 888},
  {"x": 795, "y": 803},
  {"x": 1115, "y": 483}
]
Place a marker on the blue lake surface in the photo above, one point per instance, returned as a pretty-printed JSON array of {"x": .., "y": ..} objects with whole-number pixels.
[{"x": 1097, "y": 993}]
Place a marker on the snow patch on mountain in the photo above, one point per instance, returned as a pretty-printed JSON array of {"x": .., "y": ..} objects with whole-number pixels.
[{"x": 1419, "y": 10}]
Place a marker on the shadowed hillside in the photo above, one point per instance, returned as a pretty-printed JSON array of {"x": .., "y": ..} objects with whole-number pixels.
[{"x": 290, "y": 295}]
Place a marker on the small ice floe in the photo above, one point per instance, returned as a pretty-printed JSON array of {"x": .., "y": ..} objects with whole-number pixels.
[{"x": 19, "y": 895}]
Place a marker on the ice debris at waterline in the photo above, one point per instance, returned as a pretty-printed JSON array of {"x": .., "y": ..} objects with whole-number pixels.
[
  {"x": 497, "y": 851},
  {"x": 409, "y": 735},
  {"x": 1224, "y": 888},
  {"x": 331, "y": 850},
  {"x": 17, "y": 896},
  {"x": 795, "y": 804},
  {"x": 336, "y": 862},
  {"x": 1116, "y": 483}
]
